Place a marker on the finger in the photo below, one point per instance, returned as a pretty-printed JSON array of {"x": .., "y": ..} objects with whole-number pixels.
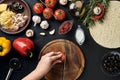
[
  {"x": 59, "y": 52},
  {"x": 57, "y": 61},
  {"x": 50, "y": 54},
  {"x": 55, "y": 57}
]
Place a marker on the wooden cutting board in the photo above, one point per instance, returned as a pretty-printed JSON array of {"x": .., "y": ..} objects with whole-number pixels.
[{"x": 75, "y": 61}]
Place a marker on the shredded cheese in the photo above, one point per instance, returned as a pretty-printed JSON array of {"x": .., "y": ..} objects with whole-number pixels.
[{"x": 6, "y": 18}]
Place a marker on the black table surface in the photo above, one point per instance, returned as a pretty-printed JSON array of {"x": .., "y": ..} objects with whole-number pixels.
[{"x": 92, "y": 52}]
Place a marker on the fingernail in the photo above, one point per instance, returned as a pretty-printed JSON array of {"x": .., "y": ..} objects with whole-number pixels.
[{"x": 59, "y": 61}]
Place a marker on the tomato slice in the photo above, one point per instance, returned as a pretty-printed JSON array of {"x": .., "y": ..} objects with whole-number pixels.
[{"x": 63, "y": 57}]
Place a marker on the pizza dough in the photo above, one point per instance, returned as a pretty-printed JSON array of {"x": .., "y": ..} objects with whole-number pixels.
[{"x": 107, "y": 34}]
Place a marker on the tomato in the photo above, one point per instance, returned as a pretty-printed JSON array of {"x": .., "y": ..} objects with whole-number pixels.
[
  {"x": 63, "y": 57},
  {"x": 50, "y": 3},
  {"x": 60, "y": 14},
  {"x": 38, "y": 8},
  {"x": 48, "y": 13}
]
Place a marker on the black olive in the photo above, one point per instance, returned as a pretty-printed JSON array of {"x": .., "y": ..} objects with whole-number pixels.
[
  {"x": 105, "y": 61},
  {"x": 117, "y": 57},
  {"x": 20, "y": 7},
  {"x": 109, "y": 58},
  {"x": 111, "y": 63},
  {"x": 17, "y": 4}
]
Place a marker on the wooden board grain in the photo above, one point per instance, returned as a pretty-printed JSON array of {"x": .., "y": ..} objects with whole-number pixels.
[{"x": 75, "y": 61}]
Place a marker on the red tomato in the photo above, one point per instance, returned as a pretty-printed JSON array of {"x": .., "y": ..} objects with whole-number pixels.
[
  {"x": 38, "y": 8},
  {"x": 63, "y": 57},
  {"x": 60, "y": 14},
  {"x": 50, "y": 3},
  {"x": 48, "y": 13}
]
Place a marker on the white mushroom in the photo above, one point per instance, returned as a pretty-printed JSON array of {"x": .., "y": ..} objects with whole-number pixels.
[
  {"x": 19, "y": 21},
  {"x": 44, "y": 24},
  {"x": 97, "y": 10},
  {"x": 63, "y": 2},
  {"x": 29, "y": 33},
  {"x": 78, "y": 4},
  {"x": 25, "y": 17},
  {"x": 15, "y": 28},
  {"x": 36, "y": 19}
]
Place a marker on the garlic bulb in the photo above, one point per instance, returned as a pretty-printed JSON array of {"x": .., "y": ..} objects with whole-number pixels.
[
  {"x": 63, "y": 2},
  {"x": 44, "y": 24},
  {"x": 36, "y": 19}
]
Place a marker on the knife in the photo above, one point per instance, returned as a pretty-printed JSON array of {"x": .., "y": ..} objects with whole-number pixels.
[{"x": 67, "y": 51}]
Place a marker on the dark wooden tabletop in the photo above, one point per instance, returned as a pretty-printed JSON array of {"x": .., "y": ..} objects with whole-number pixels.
[{"x": 92, "y": 52}]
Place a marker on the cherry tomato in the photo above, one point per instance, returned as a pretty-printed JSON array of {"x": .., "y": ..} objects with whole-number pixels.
[
  {"x": 50, "y": 3},
  {"x": 38, "y": 8},
  {"x": 63, "y": 57},
  {"x": 48, "y": 13},
  {"x": 60, "y": 14}
]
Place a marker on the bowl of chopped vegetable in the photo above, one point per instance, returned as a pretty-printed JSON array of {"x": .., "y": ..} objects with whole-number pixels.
[{"x": 65, "y": 27}]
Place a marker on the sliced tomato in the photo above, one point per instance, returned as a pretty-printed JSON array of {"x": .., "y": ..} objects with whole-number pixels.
[
  {"x": 63, "y": 57},
  {"x": 38, "y": 8}
]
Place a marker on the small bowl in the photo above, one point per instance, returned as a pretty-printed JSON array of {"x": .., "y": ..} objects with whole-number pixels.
[
  {"x": 65, "y": 27},
  {"x": 111, "y": 63}
]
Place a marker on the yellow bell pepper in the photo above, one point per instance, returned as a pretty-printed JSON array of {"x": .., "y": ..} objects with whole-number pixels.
[{"x": 5, "y": 46}]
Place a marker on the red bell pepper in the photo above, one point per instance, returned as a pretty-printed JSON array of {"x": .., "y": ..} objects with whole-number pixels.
[{"x": 24, "y": 46}]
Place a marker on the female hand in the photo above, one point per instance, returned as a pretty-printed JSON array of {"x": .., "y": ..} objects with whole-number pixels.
[
  {"x": 48, "y": 61},
  {"x": 45, "y": 64}
]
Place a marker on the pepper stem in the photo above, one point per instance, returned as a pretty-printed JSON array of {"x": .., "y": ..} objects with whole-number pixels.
[
  {"x": 1, "y": 48},
  {"x": 30, "y": 54}
]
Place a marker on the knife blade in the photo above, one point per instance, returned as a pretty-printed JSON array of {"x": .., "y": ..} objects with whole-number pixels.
[
  {"x": 67, "y": 51},
  {"x": 63, "y": 74}
]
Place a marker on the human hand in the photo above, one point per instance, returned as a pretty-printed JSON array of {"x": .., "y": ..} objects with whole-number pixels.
[
  {"x": 45, "y": 64},
  {"x": 48, "y": 61}
]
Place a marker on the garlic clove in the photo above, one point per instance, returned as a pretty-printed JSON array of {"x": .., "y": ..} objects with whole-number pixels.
[
  {"x": 42, "y": 34},
  {"x": 52, "y": 32}
]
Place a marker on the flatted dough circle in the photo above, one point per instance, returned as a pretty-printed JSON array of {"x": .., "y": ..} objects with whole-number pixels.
[{"x": 107, "y": 34}]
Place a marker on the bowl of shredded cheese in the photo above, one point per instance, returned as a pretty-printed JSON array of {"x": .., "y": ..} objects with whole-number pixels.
[{"x": 12, "y": 22}]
